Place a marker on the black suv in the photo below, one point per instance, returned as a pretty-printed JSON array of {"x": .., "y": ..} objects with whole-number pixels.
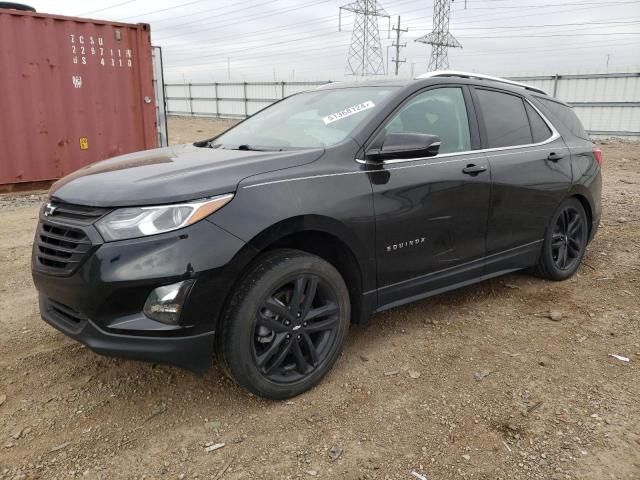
[{"x": 262, "y": 244}]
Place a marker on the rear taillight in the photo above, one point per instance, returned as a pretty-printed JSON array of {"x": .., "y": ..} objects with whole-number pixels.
[{"x": 597, "y": 153}]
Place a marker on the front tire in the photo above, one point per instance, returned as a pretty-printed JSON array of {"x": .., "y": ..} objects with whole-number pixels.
[
  {"x": 286, "y": 324},
  {"x": 565, "y": 242}
]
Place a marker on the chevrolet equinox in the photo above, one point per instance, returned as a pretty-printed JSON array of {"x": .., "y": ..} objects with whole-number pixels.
[{"x": 264, "y": 243}]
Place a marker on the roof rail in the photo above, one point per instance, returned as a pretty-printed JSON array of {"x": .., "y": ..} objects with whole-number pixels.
[
  {"x": 452, "y": 73},
  {"x": 328, "y": 84}
]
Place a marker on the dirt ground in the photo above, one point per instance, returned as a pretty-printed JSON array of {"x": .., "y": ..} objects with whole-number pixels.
[
  {"x": 190, "y": 129},
  {"x": 474, "y": 384}
]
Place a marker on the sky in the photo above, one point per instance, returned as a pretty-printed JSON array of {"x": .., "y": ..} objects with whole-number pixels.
[{"x": 250, "y": 40}]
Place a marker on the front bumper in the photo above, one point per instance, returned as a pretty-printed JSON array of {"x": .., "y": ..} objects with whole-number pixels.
[
  {"x": 192, "y": 352},
  {"x": 100, "y": 302}
]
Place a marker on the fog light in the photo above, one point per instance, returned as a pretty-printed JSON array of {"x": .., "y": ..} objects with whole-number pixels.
[{"x": 164, "y": 304}]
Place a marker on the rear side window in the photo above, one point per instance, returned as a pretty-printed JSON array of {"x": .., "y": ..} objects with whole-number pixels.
[
  {"x": 566, "y": 115},
  {"x": 505, "y": 119},
  {"x": 539, "y": 128}
]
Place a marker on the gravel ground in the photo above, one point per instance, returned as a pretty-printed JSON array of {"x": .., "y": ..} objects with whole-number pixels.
[{"x": 475, "y": 384}]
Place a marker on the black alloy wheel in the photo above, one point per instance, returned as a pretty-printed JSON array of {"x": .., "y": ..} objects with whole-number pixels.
[
  {"x": 294, "y": 328},
  {"x": 286, "y": 324},
  {"x": 568, "y": 238},
  {"x": 565, "y": 242}
]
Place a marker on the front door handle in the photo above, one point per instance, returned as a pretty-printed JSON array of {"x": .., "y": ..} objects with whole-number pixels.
[
  {"x": 473, "y": 169},
  {"x": 555, "y": 156}
]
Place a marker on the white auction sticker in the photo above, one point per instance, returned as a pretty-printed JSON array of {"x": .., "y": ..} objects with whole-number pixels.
[{"x": 347, "y": 112}]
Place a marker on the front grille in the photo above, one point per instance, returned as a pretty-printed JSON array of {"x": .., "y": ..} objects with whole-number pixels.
[
  {"x": 61, "y": 241},
  {"x": 61, "y": 248}
]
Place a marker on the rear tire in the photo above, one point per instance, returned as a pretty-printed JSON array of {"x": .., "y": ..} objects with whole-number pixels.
[
  {"x": 565, "y": 242},
  {"x": 285, "y": 325}
]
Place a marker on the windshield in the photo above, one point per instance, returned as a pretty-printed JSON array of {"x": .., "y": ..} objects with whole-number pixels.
[{"x": 307, "y": 120}]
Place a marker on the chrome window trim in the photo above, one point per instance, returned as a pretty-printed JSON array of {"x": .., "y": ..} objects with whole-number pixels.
[
  {"x": 554, "y": 136},
  {"x": 429, "y": 160},
  {"x": 427, "y": 163}
]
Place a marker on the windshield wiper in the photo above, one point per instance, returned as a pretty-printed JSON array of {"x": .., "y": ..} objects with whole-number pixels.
[
  {"x": 248, "y": 147},
  {"x": 252, "y": 148}
]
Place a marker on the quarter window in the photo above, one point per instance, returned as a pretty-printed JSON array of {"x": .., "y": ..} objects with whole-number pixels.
[
  {"x": 566, "y": 115},
  {"x": 539, "y": 128},
  {"x": 440, "y": 112},
  {"x": 505, "y": 119}
]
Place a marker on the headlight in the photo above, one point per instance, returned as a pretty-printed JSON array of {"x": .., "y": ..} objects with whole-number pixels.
[{"x": 142, "y": 221}]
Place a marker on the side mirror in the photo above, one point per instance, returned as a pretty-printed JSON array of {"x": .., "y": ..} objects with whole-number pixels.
[{"x": 405, "y": 145}]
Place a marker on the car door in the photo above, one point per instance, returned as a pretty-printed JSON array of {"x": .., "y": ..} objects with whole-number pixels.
[
  {"x": 431, "y": 213},
  {"x": 530, "y": 171}
]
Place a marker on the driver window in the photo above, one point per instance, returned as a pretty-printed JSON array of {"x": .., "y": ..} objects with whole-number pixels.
[{"x": 440, "y": 112}]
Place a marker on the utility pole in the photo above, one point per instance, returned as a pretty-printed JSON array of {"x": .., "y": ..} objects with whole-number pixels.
[
  {"x": 365, "y": 53},
  {"x": 440, "y": 39},
  {"x": 397, "y": 44},
  {"x": 228, "y": 68}
]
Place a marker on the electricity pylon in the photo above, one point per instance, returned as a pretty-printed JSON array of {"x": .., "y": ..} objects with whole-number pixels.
[
  {"x": 365, "y": 53},
  {"x": 440, "y": 39}
]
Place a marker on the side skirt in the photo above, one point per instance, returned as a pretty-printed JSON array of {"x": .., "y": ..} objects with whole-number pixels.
[
  {"x": 448, "y": 288},
  {"x": 492, "y": 266}
]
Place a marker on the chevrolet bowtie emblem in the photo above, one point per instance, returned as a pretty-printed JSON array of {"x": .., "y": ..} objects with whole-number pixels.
[{"x": 49, "y": 209}]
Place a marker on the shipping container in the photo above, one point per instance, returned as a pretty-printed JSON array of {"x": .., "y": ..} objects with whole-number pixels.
[{"x": 72, "y": 91}]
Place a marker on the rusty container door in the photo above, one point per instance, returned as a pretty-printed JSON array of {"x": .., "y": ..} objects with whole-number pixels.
[{"x": 72, "y": 91}]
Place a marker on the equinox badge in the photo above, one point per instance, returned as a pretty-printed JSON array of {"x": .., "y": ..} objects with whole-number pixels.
[{"x": 409, "y": 243}]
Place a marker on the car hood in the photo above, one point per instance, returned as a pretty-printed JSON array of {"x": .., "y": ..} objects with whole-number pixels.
[{"x": 169, "y": 175}]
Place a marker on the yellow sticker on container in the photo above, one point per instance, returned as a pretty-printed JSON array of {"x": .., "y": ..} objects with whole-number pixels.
[{"x": 84, "y": 143}]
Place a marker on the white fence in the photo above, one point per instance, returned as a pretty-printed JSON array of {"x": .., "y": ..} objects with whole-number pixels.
[
  {"x": 228, "y": 100},
  {"x": 607, "y": 103}
]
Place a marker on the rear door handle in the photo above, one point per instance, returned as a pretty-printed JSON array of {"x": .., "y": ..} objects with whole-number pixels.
[
  {"x": 474, "y": 170},
  {"x": 554, "y": 156}
]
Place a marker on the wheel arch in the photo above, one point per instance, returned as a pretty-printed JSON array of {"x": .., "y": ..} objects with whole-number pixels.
[
  {"x": 582, "y": 194},
  {"x": 328, "y": 239}
]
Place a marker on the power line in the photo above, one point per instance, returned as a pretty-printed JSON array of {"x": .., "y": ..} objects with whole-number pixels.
[
  {"x": 412, "y": 22},
  {"x": 279, "y": 30},
  {"x": 576, "y": 4},
  {"x": 161, "y": 10},
  {"x": 223, "y": 14},
  {"x": 551, "y": 35},
  {"x": 312, "y": 50},
  {"x": 198, "y": 12},
  {"x": 248, "y": 19},
  {"x": 252, "y": 49},
  {"x": 510, "y": 15},
  {"x": 548, "y": 25},
  {"x": 301, "y": 52},
  {"x": 105, "y": 8},
  {"x": 207, "y": 18},
  {"x": 542, "y": 49},
  {"x": 297, "y": 41},
  {"x": 251, "y": 65}
]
